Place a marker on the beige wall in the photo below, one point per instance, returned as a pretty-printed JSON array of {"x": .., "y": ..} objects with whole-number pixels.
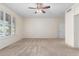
[
  {"x": 43, "y": 28},
  {"x": 19, "y": 28}
]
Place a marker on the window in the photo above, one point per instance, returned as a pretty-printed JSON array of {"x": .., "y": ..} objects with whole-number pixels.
[
  {"x": 1, "y": 24},
  {"x": 7, "y": 24}
]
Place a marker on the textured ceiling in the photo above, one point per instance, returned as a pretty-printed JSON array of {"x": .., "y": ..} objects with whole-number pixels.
[{"x": 57, "y": 9}]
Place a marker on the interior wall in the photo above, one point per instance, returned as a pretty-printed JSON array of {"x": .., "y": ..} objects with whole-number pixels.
[
  {"x": 62, "y": 28},
  {"x": 5, "y": 41},
  {"x": 43, "y": 28}
]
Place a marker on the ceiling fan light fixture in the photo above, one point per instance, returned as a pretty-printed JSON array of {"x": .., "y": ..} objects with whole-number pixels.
[{"x": 39, "y": 11}]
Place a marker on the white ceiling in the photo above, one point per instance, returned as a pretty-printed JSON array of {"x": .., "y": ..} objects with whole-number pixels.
[{"x": 57, "y": 9}]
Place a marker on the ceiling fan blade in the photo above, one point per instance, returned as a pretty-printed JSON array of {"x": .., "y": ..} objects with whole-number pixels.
[
  {"x": 46, "y": 7},
  {"x": 32, "y": 8},
  {"x": 43, "y": 11}
]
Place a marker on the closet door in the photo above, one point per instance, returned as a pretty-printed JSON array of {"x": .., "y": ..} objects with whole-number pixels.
[
  {"x": 69, "y": 27},
  {"x": 76, "y": 30}
]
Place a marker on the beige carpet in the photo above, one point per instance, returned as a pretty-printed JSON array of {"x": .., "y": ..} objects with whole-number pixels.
[{"x": 39, "y": 47}]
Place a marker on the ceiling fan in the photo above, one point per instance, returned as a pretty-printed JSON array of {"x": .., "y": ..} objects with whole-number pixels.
[{"x": 40, "y": 8}]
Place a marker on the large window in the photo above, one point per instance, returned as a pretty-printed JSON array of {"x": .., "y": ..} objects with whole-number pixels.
[
  {"x": 7, "y": 24},
  {"x": 1, "y": 24}
]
